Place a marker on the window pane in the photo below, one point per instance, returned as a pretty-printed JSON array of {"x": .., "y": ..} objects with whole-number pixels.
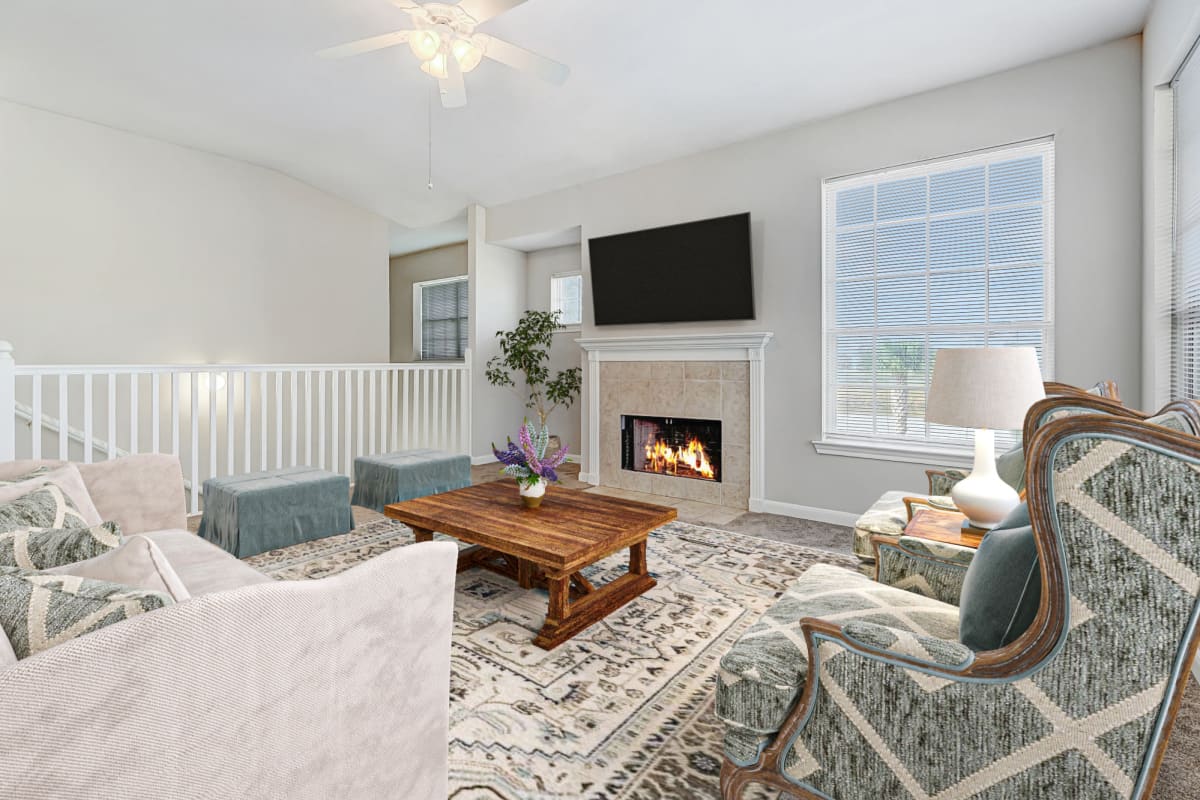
[
  {"x": 902, "y": 301},
  {"x": 957, "y": 242},
  {"x": 959, "y": 190},
  {"x": 855, "y": 304},
  {"x": 1018, "y": 181},
  {"x": 1015, "y": 295},
  {"x": 901, "y": 248},
  {"x": 855, "y": 254},
  {"x": 1015, "y": 235},
  {"x": 444, "y": 319},
  {"x": 958, "y": 298},
  {"x": 566, "y": 297},
  {"x": 900, "y": 370},
  {"x": 856, "y": 206},
  {"x": 900, "y": 199}
]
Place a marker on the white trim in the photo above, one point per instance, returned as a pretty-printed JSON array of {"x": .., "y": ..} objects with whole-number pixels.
[
  {"x": 879, "y": 450},
  {"x": 828, "y": 515},
  {"x": 749, "y": 347},
  {"x": 418, "y": 311}
]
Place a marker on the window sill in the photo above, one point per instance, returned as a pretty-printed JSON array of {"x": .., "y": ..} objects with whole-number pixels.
[{"x": 912, "y": 453}]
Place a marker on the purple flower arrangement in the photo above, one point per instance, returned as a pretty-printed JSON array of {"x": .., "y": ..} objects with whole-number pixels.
[{"x": 526, "y": 460}]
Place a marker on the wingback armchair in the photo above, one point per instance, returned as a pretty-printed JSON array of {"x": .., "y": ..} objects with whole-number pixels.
[{"x": 851, "y": 689}]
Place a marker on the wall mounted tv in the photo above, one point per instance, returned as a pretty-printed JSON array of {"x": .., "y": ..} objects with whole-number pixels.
[{"x": 697, "y": 271}]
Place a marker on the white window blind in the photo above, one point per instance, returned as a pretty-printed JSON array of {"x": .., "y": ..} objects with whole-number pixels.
[
  {"x": 956, "y": 252},
  {"x": 442, "y": 316},
  {"x": 566, "y": 297},
  {"x": 1185, "y": 288}
]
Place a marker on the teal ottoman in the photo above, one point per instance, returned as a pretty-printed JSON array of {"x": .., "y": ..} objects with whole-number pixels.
[
  {"x": 396, "y": 477},
  {"x": 251, "y": 514}
]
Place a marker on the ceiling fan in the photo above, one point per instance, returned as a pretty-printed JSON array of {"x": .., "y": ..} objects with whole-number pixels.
[{"x": 445, "y": 40}]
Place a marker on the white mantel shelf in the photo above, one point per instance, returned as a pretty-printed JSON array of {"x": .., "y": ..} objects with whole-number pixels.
[{"x": 749, "y": 347}]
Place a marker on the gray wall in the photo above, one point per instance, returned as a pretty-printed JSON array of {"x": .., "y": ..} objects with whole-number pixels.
[
  {"x": 564, "y": 353},
  {"x": 427, "y": 265},
  {"x": 1091, "y": 102},
  {"x": 122, "y": 249}
]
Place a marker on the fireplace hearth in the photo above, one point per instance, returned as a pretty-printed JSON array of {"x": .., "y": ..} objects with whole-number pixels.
[{"x": 682, "y": 448}]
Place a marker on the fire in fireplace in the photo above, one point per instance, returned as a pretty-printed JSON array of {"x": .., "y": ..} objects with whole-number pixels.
[{"x": 684, "y": 448}]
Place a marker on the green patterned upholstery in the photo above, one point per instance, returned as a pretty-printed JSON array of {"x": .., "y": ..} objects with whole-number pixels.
[
  {"x": 932, "y": 569},
  {"x": 45, "y": 548},
  {"x": 761, "y": 677},
  {"x": 1081, "y": 722}
]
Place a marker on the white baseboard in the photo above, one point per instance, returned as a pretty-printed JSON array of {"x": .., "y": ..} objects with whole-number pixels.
[{"x": 828, "y": 515}]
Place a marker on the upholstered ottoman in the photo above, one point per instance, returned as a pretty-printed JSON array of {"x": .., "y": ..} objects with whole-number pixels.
[
  {"x": 261, "y": 511},
  {"x": 396, "y": 477},
  {"x": 886, "y": 517}
]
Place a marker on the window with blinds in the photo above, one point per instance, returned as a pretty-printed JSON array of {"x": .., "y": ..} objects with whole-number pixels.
[
  {"x": 566, "y": 297},
  {"x": 957, "y": 252},
  {"x": 441, "y": 319},
  {"x": 1185, "y": 286}
]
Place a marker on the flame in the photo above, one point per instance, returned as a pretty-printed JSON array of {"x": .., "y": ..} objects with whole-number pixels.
[{"x": 660, "y": 457}]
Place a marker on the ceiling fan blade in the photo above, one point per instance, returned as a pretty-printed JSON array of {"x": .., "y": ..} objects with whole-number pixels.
[
  {"x": 365, "y": 45},
  {"x": 407, "y": 5},
  {"x": 483, "y": 10},
  {"x": 453, "y": 88},
  {"x": 519, "y": 58}
]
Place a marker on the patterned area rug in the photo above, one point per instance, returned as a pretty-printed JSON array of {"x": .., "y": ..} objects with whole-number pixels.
[{"x": 623, "y": 710}]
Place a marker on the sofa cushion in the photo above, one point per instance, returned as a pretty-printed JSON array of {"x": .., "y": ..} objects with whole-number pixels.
[
  {"x": 763, "y": 674},
  {"x": 138, "y": 562},
  {"x": 1003, "y": 585},
  {"x": 7, "y": 656},
  {"x": 67, "y": 478},
  {"x": 44, "y": 548},
  {"x": 38, "y": 611},
  {"x": 46, "y": 507},
  {"x": 203, "y": 567}
]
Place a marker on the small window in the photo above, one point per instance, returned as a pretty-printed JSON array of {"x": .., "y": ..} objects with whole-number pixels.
[
  {"x": 566, "y": 297},
  {"x": 440, "y": 316}
]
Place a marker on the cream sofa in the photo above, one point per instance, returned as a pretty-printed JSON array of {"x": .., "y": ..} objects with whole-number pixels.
[{"x": 254, "y": 688}]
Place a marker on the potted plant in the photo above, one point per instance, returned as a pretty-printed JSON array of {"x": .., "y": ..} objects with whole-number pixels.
[
  {"x": 529, "y": 464},
  {"x": 523, "y": 360}
]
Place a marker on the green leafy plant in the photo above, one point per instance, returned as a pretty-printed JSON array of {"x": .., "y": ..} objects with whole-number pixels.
[{"x": 523, "y": 364}]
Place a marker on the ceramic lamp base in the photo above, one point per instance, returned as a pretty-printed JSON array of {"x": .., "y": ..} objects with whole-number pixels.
[{"x": 983, "y": 496}]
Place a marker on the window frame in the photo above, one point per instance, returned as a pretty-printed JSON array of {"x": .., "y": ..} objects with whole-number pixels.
[
  {"x": 927, "y": 451},
  {"x": 569, "y": 327},
  {"x": 418, "y": 317}
]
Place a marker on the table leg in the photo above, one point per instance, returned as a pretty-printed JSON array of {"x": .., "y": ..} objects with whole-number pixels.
[{"x": 422, "y": 535}]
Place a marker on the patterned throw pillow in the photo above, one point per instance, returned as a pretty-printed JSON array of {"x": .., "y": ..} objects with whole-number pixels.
[
  {"x": 38, "y": 611},
  {"x": 44, "y": 507},
  {"x": 42, "y": 470},
  {"x": 43, "y": 548}
]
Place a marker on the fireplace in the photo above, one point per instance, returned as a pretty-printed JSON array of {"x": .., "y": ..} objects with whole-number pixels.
[{"x": 683, "y": 448}]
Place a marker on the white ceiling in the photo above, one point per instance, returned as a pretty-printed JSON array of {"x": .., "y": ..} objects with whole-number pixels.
[{"x": 651, "y": 80}]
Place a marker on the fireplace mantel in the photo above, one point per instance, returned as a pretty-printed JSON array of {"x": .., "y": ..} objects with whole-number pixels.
[{"x": 750, "y": 347}]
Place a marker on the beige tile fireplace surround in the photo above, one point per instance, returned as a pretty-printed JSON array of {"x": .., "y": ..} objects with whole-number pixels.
[{"x": 707, "y": 377}]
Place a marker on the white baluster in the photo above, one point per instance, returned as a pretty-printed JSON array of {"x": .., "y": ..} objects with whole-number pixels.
[
  {"x": 262, "y": 421},
  {"x": 155, "y": 433},
  {"x": 193, "y": 413},
  {"x": 321, "y": 419},
  {"x": 359, "y": 417},
  {"x": 87, "y": 418},
  {"x": 425, "y": 380},
  {"x": 278, "y": 420},
  {"x": 333, "y": 422},
  {"x": 404, "y": 413},
  {"x": 64, "y": 425},
  {"x": 308, "y": 420},
  {"x": 230, "y": 425},
  {"x": 371, "y": 437},
  {"x": 35, "y": 427},
  {"x": 292, "y": 397},
  {"x": 349, "y": 423},
  {"x": 437, "y": 407},
  {"x": 247, "y": 459},
  {"x": 134, "y": 422},
  {"x": 452, "y": 412},
  {"x": 112, "y": 415},
  {"x": 394, "y": 427},
  {"x": 175, "y": 413},
  {"x": 212, "y": 425}
]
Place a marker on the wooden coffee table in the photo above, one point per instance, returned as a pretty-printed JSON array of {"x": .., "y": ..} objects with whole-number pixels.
[{"x": 544, "y": 547}]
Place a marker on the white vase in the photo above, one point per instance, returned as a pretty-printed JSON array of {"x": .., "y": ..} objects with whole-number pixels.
[{"x": 532, "y": 493}]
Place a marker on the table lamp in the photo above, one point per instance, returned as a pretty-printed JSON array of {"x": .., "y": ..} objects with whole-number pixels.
[{"x": 988, "y": 389}]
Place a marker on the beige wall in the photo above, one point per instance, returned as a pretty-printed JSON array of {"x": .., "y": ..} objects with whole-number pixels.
[
  {"x": 119, "y": 248},
  {"x": 427, "y": 265},
  {"x": 564, "y": 353},
  {"x": 1090, "y": 101}
]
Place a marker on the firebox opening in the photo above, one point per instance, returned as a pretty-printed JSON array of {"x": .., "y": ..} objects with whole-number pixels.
[{"x": 683, "y": 448}]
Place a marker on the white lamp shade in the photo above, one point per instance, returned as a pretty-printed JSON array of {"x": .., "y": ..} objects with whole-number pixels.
[{"x": 984, "y": 387}]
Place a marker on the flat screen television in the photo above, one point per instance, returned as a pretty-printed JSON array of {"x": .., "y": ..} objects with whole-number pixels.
[{"x": 697, "y": 271}]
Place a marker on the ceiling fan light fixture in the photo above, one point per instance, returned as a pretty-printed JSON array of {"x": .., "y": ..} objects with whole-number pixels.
[
  {"x": 436, "y": 66},
  {"x": 425, "y": 44},
  {"x": 467, "y": 53}
]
